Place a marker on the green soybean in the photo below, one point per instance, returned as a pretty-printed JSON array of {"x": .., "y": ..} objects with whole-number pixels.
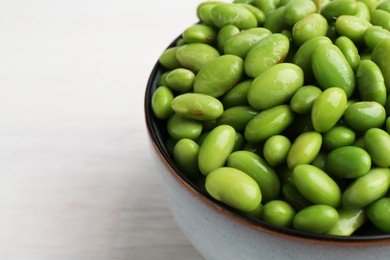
[
  {"x": 275, "y": 86},
  {"x": 197, "y": 106},
  {"x": 377, "y": 144},
  {"x": 352, "y": 27},
  {"x": 331, "y": 69},
  {"x": 200, "y": 33},
  {"x": 276, "y": 149},
  {"x": 161, "y": 102},
  {"x": 180, "y": 80},
  {"x": 381, "y": 18},
  {"x": 370, "y": 82},
  {"x": 275, "y": 22},
  {"x": 349, "y": 50},
  {"x": 363, "y": 11},
  {"x": 338, "y": 136},
  {"x": 366, "y": 189},
  {"x": 334, "y": 9},
  {"x": 304, "y": 149},
  {"x": 379, "y": 214},
  {"x": 195, "y": 55},
  {"x": 233, "y": 14},
  {"x": 328, "y": 108},
  {"x": 348, "y": 162},
  {"x": 297, "y": 10},
  {"x": 237, "y": 117},
  {"x": 316, "y": 219},
  {"x": 234, "y": 188},
  {"x": 316, "y": 186},
  {"x": 303, "y": 99},
  {"x": 349, "y": 221},
  {"x": 278, "y": 213},
  {"x": 180, "y": 127},
  {"x": 381, "y": 56},
  {"x": 267, "y": 6},
  {"x": 185, "y": 154},
  {"x": 256, "y": 167},
  {"x": 259, "y": 14},
  {"x": 294, "y": 197},
  {"x": 241, "y": 43},
  {"x": 219, "y": 75},
  {"x": 384, "y": 5},
  {"x": 216, "y": 147},
  {"x": 168, "y": 58},
  {"x": 203, "y": 11},
  {"x": 364, "y": 115},
  {"x": 309, "y": 27},
  {"x": 224, "y": 34},
  {"x": 269, "y": 122},
  {"x": 237, "y": 96},
  {"x": 266, "y": 53},
  {"x": 374, "y": 35}
]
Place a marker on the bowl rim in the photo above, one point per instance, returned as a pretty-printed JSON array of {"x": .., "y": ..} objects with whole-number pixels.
[{"x": 156, "y": 138}]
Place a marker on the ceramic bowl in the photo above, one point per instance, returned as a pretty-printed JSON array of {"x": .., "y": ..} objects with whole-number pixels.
[{"x": 218, "y": 232}]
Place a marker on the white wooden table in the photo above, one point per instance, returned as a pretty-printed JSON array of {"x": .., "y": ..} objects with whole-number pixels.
[{"x": 76, "y": 177}]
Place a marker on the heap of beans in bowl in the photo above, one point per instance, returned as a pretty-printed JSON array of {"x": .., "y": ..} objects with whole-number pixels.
[{"x": 280, "y": 110}]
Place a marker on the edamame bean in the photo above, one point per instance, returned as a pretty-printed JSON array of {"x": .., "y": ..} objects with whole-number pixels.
[
  {"x": 269, "y": 122},
  {"x": 309, "y": 27},
  {"x": 377, "y": 143},
  {"x": 197, "y": 106},
  {"x": 260, "y": 16},
  {"x": 338, "y": 136},
  {"x": 303, "y": 56},
  {"x": 237, "y": 117},
  {"x": 179, "y": 127},
  {"x": 168, "y": 58},
  {"x": 334, "y": 9},
  {"x": 216, "y": 147},
  {"x": 278, "y": 213},
  {"x": 256, "y": 167},
  {"x": 241, "y": 43},
  {"x": 234, "y": 188},
  {"x": 195, "y": 55},
  {"x": 349, "y": 50},
  {"x": 381, "y": 56},
  {"x": 200, "y": 33},
  {"x": 266, "y": 53},
  {"x": 304, "y": 149},
  {"x": 234, "y": 14},
  {"x": 328, "y": 108},
  {"x": 316, "y": 219},
  {"x": 348, "y": 162},
  {"x": 180, "y": 80},
  {"x": 185, "y": 154},
  {"x": 385, "y": 5},
  {"x": 275, "y": 86},
  {"x": 294, "y": 197},
  {"x": 275, "y": 22},
  {"x": 364, "y": 115},
  {"x": 352, "y": 27},
  {"x": 303, "y": 99},
  {"x": 297, "y": 10},
  {"x": 379, "y": 214},
  {"x": 161, "y": 102},
  {"x": 381, "y": 18},
  {"x": 316, "y": 186},
  {"x": 267, "y": 6},
  {"x": 388, "y": 125},
  {"x": 363, "y": 12},
  {"x": 203, "y": 11},
  {"x": 349, "y": 221},
  {"x": 331, "y": 69},
  {"x": 237, "y": 96},
  {"x": 374, "y": 35},
  {"x": 224, "y": 34},
  {"x": 276, "y": 149},
  {"x": 219, "y": 75},
  {"x": 366, "y": 189},
  {"x": 370, "y": 82}
]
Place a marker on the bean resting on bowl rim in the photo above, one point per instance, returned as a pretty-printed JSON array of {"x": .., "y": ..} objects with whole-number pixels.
[{"x": 280, "y": 111}]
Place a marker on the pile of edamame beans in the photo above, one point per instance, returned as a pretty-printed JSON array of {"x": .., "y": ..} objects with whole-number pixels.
[{"x": 280, "y": 109}]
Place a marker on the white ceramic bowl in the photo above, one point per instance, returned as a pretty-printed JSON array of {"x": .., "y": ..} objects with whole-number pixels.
[{"x": 217, "y": 232}]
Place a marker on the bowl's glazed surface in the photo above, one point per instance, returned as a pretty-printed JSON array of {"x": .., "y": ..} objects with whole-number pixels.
[{"x": 218, "y": 232}]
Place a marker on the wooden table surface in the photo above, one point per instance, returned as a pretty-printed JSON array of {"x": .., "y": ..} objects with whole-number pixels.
[{"x": 76, "y": 177}]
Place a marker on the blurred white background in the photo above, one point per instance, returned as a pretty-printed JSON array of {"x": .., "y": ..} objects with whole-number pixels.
[{"x": 76, "y": 178}]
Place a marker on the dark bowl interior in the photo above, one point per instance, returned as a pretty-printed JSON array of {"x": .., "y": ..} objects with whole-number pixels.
[{"x": 367, "y": 234}]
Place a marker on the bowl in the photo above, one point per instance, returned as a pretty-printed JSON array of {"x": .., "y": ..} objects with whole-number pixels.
[{"x": 218, "y": 232}]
